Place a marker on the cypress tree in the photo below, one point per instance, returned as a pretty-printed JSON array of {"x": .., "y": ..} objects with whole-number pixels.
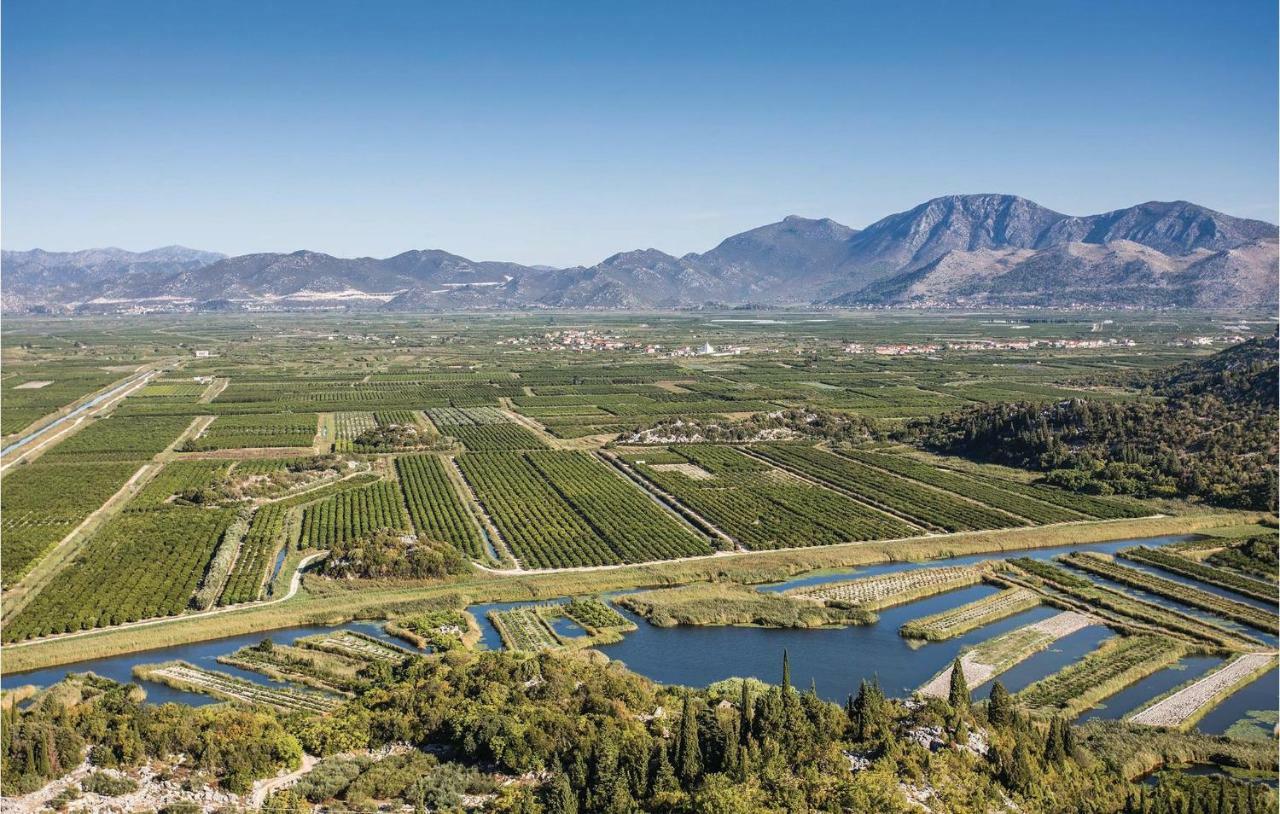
[
  {"x": 1000, "y": 708},
  {"x": 786, "y": 672},
  {"x": 664, "y": 777},
  {"x": 958, "y": 697},
  {"x": 1054, "y": 753},
  {"x": 559, "y": 797},
  {"x": 744, "y": 714},
  {"x": 688, "y": 751}
]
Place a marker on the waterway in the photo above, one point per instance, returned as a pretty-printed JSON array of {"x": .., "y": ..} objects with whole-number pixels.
[
  {"x": 58, "y": 422},
  {"x": 834, "y": 660}
]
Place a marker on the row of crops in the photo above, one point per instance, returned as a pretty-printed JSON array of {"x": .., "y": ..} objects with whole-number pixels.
[
  {"x": 563, "y": 509},
  {"x": 763, "y": 508},
  {"x": 139, "y": 565},
  {"x": 524, "y": 629},
  {"x": 118, "y": 438},
  {"x": 1037, "y": 511},
  {"x": 191, "y": 678},
  {"x": 922, "y": 504},
  {"x": 972, "y": 615},
  {"x": 1212, "y": 575},
  {"x": 247, "y": 431},
  {"x": 435, "y": 508},
  {"x": 264, "y": 538},
  {"x": 493, "y": 437},
  {"x": 175, "y": 478},
  {"x": 41, "y": 503},
  {"x": 348, "y": 426},
  {"x": 351, "y": 514},
  {"x": 1104, "y": 566},
  {"x": 885, "y": 590},
  {"x": 1124, "y": 608},
  {"x": 1116, "y": 664}
]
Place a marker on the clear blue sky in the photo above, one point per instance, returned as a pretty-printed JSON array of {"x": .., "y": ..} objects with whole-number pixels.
[{"x": 560, "y": 133}]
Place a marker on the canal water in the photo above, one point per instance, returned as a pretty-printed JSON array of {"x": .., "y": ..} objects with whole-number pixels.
[{"x": 835, "y": 660}]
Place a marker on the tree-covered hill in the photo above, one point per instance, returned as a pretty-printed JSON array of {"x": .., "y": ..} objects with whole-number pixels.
[{"x": 1206, "y": 430}]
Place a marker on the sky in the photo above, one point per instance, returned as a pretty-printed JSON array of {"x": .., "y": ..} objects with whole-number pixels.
[{"x": 560, "y": 133}]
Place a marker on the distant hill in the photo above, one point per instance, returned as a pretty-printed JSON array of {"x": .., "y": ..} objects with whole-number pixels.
[{"x": 957, "y": 250}]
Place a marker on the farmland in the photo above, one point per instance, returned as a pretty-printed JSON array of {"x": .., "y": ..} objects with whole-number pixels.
[
  {"x": 994, "y": 656},
  {"x": 919, "y": 503},
  {"x": 525, "y": 630},
  {"x": 962, "y": 619},
  {"x": 130, "y": 570},
  {"x": 873, "y": 593},
  {"x": 559, "y": 509},
  {"x": 554, "y": 474},
  {"x": 249, "y": 572},
  {"x": 1116, "y": 664},
  {"x": 182, "y": 675},
  {"x": 1221, "y": 606},
  {"x": 235, "y": 432},
  {"x": 1237, "y": 583},
  {"x": 435, "y": 508},
  {"x": 353, "y": 513},
  {"x": 762, "y": 508},
  {"x": 41, "y": 503}
]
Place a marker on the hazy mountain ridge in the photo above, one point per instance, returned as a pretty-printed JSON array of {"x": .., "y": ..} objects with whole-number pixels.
[{"x": 952, "y": 250}]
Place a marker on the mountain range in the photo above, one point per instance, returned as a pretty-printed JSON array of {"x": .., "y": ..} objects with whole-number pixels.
[{"x": 957, "y": 250}]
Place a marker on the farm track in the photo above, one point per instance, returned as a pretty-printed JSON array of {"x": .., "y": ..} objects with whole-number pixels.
[
  {"x": 215, "y": 388},
  {"x": 1189, "y": 704},
  {"x": 670, "y": 501}
]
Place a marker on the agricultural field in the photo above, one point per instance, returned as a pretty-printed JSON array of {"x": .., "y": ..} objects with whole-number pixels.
[
  {"x": 225, "y": 687},
  {"x": 1029, "y": 508},
  {"x": 594, "y": 614},
  {"x": 970, "y": 616},
  {"x": 119, "y": 438},
  {"x": 1106, "y": 567},
  {"x": 137, "y": 566},
  {"x": 238, "y": 432},
  {"x": 41, "y": 503},
  {"x": 992, "y": 657},
  {"x": 1185, "y": 705},
  {"x": 355, "y": 645},
  {"x": 921, "y": 504},
  {"x": 436, "y": 509},
  {"x": 763, "y": 508},
  {"x": 352, "y": 514},
  {"x": 349, "y": 427},
  {"x": 176, "y": 478},
  {"x": 250, "y": 570},
  {"x": 560, "y": 509},
  {"x": 524, "y": 629},
  {"x": 28, "y": 395},
  {"x": 493, "y": 437},
  {"x": 1212, "y": 575},
  {"x": 886, "y": 590},
  {"x": 320, "y": 669},
  {"x": 1116, "y": 664},
  {"x": 1125, "y": 609}
]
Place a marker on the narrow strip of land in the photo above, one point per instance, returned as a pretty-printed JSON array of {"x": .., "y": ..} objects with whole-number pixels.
[
  {"x": 1191, "y": 702},
  {"x": 995, "y": 656}
]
